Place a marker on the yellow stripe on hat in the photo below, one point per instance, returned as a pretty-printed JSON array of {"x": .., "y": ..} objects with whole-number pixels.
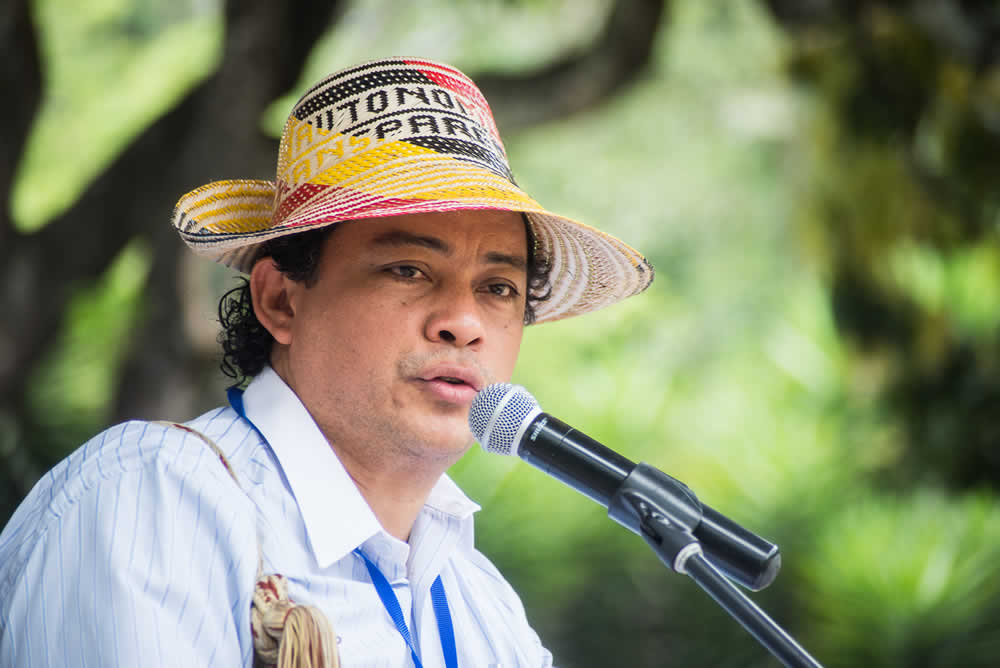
[
  {"x": 211, "y": 207},
  {"x": 321, "y": 146},
  {"x": 426, "y": 175},
  {"x": 245, "y": 214},
  {"x": 469, "y": 192},
  {"x": 345, "y": 172},
  {"x": 240, "y": 225},
  {"x": 225, "y": 190}
]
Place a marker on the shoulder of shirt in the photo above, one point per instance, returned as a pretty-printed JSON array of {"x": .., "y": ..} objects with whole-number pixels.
[
  {"x": 136, "y": 445},
  {"x": 171, "y": 455},
  {"x": 133, "y": 447},
  {"x": 478, "y": 566},
  {"x": 491, "y": 586}
]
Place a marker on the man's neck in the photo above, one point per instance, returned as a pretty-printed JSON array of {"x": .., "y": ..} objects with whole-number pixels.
[
  {"x": 395, "y": 494},
  {"x": 395, "y": 485}
]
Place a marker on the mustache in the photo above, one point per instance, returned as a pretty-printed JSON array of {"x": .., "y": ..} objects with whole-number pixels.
[{"x": 414, "y": 363}]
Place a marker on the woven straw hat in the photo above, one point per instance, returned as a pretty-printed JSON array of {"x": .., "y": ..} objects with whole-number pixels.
[{"x": 393, "y": 137}]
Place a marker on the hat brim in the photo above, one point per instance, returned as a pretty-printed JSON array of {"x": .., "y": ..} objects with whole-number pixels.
[{"x": 228, "y": 221}]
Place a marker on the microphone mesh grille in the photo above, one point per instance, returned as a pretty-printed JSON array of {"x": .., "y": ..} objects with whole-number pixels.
[
  {"x": 497, "y": 415},
  {"x": 483, "y": 406}
]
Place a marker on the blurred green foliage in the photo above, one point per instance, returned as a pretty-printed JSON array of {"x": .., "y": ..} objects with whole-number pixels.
[
  {"x": 78, "y": 377},
  {"x": 903, "y": 204},
  {"x": 790, "y": 363},
  {"x": 904, "y": 598},
  {"x": 111, "y": 68}
]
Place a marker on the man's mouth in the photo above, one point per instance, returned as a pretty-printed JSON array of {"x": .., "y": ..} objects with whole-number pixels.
[
  {"x": 458, "y": 376},
  {"x": 450, "y": 389},
  {"x": 452, "y": 383}
]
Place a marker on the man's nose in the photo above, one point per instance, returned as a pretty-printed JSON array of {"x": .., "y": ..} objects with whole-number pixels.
[{"x": 455, "y": 319}]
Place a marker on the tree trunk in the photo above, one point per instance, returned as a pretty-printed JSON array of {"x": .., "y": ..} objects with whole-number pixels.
[
  {"x": 22, "y": 81},
  {"x": 619, "y": 55}
]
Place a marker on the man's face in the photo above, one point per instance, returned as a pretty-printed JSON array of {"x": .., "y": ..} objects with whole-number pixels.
[{"x": 410, "y": 316}]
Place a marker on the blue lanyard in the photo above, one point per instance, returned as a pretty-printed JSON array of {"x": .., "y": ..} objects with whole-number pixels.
[{"x": 438, "y": 599}]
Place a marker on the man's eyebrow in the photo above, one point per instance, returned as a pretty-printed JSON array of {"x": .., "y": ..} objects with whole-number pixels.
[
  {"x": 397, "y": 238},
  {"x": 515, "y": 261},
  {"x": 402, "y": 238}
]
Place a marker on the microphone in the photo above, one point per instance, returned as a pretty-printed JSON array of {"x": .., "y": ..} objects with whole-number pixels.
[{"x": 506, "y": 419}]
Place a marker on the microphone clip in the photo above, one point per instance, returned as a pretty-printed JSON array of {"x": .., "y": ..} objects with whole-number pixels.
[
  {"x": 647, "y": 489},
  {"x": 654, "y": 505},
  {"x": 661, "y": 509}
]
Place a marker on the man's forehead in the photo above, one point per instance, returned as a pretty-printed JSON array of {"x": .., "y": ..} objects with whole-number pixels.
[
  {"x": 499, "y": 236},
  {"x": 401, "y": 237}
]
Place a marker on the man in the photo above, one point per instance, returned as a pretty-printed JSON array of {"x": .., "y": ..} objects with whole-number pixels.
[{"x": 392, "y": 267}]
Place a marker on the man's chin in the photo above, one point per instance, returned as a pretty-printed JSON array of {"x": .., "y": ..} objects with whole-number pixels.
[{"x": 442, "y": 442}]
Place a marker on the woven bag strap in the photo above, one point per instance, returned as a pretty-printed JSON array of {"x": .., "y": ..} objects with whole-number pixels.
[{"x": 285, "y": 634}]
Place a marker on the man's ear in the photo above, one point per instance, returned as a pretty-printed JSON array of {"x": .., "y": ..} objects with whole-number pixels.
[{"x": 270, "y": 290}]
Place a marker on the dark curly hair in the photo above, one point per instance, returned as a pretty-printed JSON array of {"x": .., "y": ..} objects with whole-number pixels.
[{"x": 246, "y": 344}]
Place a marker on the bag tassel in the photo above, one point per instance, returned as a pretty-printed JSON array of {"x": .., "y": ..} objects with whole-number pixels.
[{"x": 287, "y": 635}]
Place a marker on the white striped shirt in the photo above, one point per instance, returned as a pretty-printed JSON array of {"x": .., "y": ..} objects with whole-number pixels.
[{"x": 139, "y": 549}]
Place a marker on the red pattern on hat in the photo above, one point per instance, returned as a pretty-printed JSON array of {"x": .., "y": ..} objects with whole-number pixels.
[{"x": 463, "y": 88}]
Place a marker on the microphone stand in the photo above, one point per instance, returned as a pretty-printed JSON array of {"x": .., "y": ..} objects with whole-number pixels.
[{"x": 666, "y": 518}]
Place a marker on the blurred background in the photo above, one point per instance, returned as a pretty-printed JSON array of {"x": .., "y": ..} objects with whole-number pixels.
[{"x": 819, "y": 356}]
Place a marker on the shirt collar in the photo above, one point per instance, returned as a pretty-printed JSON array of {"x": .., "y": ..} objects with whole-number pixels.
[{"x": 336, "y": 517}]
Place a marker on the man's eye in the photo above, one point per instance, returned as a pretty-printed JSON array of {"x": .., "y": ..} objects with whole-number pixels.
[
  {"x": 504, "y": 290},
  {"x": 405, "y": 271}
]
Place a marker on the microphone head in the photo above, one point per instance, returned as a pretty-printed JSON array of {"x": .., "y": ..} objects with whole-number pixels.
[{"x": 499, "y": 415}]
